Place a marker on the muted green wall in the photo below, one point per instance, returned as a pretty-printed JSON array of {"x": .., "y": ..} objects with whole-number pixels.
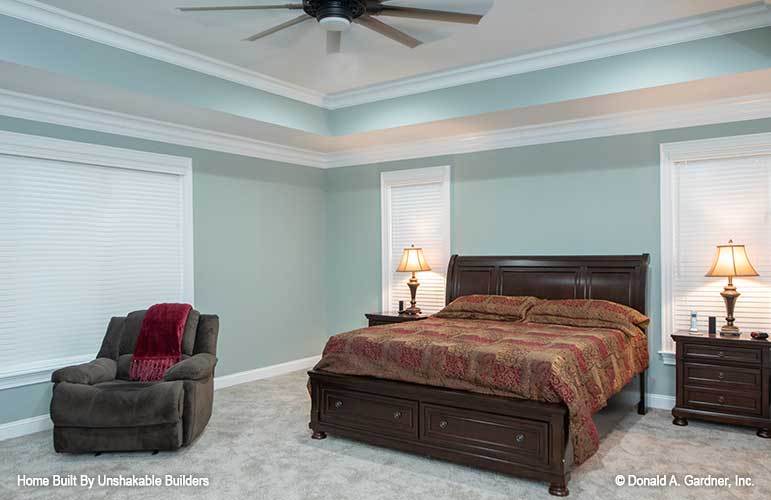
[
  {"x": 259, "y": 243},
  {"x": 597, "y": 196}
]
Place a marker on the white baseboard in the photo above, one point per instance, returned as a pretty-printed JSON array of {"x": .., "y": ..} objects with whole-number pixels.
[
  {"x": 660, "y": 401},
  {"x": 265, "y": 372},
  {"x": 43, "y": 422},
  {"x": 25, "y": 426}
]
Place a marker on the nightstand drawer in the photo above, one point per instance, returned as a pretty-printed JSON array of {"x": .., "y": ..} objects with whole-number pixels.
[
  {"x": 719, "y": 376},
  {"x": 702, "y": 352},
  {"x": 723, "y": 401}
]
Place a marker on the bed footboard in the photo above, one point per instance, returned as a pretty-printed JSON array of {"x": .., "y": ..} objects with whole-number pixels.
[{"x": 517, "y": 437}]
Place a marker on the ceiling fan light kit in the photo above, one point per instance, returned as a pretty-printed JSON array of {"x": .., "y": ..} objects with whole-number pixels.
[{"x": 336, "y": 16}]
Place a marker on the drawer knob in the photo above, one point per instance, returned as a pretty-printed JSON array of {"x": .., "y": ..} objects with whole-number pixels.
[
  {"x": 338, "y": 404},
  {"x": 721, "y": 399},
  {"x": 397, "y": 415},
  {"x": 443, "y": 424},
  {"x": 519, "y": 438},
  {"x": 720, "y": 354},
  {"x": 721, "y": 375}
]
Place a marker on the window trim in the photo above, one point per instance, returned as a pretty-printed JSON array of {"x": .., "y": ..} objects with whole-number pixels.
[
  {"x": 671, "y": 154},
  {"x": 46, "y": 148},
  {"x": 409, "y": 177}
]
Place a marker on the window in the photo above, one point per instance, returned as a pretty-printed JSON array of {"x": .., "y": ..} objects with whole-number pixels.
[
  {"x": 713, "y": 191},
  {"x": 86, "y": 232},
  {"x": 416, "y": 210}
]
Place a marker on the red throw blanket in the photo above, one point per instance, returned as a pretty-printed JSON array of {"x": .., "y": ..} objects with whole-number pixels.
[{"x": 159, "y": 345}]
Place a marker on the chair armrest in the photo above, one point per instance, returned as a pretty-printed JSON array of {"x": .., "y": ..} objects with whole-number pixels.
[
  {"x": 200, "y": 366},
  {"x": 93, "y": 372}
]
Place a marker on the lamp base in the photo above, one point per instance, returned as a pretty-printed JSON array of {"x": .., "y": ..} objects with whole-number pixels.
[
  {"x": 411, "y": 311},
  {"x": 729, "y": 331}
]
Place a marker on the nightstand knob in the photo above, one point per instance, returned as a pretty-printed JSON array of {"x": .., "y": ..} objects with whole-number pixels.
[
  {"x": 338, "y": 404},
  {"x": 720, "y": 354},
  {"x": 397, "y": 415},
  {"x": 443, "y": 424},
  {"x": 721, "y": 399},
  {"x": 520, "y": 438},
  {"x": 721, "y": 375}
]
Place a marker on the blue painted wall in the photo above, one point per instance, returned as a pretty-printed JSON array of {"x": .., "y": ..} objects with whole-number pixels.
[
  {"x": 248, "y": 214},
  {"x": 31, "y": 45},
  {"x": 597, "y": 196},
  {"x": 700, "y": 59}
]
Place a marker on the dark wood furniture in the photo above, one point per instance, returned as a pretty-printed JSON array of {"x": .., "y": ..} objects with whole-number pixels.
[
  {"x": 387, "y": 318},
  {"x": 508, "y": 435},
  {"x": 723, "y": 379}
]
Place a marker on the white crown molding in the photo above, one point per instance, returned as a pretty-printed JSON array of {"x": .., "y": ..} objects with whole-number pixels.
[
  {"x": 731, "y": 21},
  {"x": 42, "y": 423},
  {"x": 73, "y": 115},
  {"x": 753, "y": 16},
  {"x": 690, "y": 115},
  {"x": 705, "y": 113},
  {"x": 84, "y": 27}
]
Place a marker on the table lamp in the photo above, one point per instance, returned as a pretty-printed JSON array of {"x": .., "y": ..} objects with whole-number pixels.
[
  {"x": 730, "y": 260},
  {"x": 412, "y": 261}
]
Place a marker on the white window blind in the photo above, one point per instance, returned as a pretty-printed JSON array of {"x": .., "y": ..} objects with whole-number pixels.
[
  {"x": 80, "y": 243},
  {"x": 718, "y": 200},
  {"x": 416, "y": 210}
]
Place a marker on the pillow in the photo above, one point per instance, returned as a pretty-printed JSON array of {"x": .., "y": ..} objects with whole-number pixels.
[
  {"x": 491, "y": 307},
  {"x": 590, "y": 313}
]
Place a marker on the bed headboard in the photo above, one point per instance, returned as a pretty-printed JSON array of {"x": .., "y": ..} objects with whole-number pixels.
[{"x": 620, "y": 278}]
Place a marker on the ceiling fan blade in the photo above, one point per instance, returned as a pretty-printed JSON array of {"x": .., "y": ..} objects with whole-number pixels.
[
  {"x": 242, "y": 7},
  {"x": 427, "y": 14},
  {"x": 334, "y": 41},
  {"x": 388, "y": 31},
  {"x": 280, "y": 27}
]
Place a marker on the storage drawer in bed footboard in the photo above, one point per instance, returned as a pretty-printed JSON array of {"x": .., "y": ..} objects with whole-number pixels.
[
  {"x": 359, "y": 410},
  {"x": 492, "y": 435}
]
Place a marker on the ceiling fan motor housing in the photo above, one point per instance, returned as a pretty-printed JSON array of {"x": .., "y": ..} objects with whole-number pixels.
[{"x": 334, "y": 10}]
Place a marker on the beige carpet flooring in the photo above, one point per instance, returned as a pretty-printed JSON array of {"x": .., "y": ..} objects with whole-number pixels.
[{"x": 257, "y": 446}]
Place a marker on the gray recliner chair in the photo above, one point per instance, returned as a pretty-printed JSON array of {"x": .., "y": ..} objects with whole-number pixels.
[{"x": 95, "y": 407}]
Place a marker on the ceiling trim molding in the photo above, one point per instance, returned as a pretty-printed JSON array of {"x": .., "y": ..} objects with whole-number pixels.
[
  {"x": 84, "y": 27},
  {"x": 673, "y": 117},
  {"x": 46, "y": 110},
  {"x": 757, "y": 15},
  {"x": 720, "y": 23}
]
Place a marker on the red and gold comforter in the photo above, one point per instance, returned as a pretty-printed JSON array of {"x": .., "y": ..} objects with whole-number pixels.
[{"x": 579, "y": 366}]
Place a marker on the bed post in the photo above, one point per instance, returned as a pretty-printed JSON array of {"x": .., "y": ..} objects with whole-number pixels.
[{"x": 642, "y": 408}]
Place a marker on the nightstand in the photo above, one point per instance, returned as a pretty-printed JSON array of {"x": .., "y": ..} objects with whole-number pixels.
[
  {"x": 723, "y": 379},
  {"x": 386, "y": 318}
]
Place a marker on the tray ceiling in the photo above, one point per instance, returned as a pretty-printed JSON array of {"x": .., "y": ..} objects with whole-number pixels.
[{"x": 298, "y": 55}]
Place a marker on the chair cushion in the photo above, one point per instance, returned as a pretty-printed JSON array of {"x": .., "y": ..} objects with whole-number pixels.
[{"x": 117, "y": 404}]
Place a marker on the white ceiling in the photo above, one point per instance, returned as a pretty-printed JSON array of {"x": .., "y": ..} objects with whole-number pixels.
[{"x": 297, "y": 55}]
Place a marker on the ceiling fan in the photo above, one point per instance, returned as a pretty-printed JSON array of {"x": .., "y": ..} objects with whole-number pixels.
[{"x": 336, "y": 16}]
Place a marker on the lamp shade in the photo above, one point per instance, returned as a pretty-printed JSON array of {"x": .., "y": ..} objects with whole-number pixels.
[
  {"x": 731, "y": 260},
  {"x": 413, "y": 261}
]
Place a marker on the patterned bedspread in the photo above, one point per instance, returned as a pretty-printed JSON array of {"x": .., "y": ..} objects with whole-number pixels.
[{"x": 579, "y": 366}]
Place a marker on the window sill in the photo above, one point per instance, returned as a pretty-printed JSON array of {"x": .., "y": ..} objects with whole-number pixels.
[{"x": 37, "y": 373}]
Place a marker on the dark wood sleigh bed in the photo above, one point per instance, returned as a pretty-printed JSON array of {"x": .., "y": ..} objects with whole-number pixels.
[{"x": 512, "y": 436}]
